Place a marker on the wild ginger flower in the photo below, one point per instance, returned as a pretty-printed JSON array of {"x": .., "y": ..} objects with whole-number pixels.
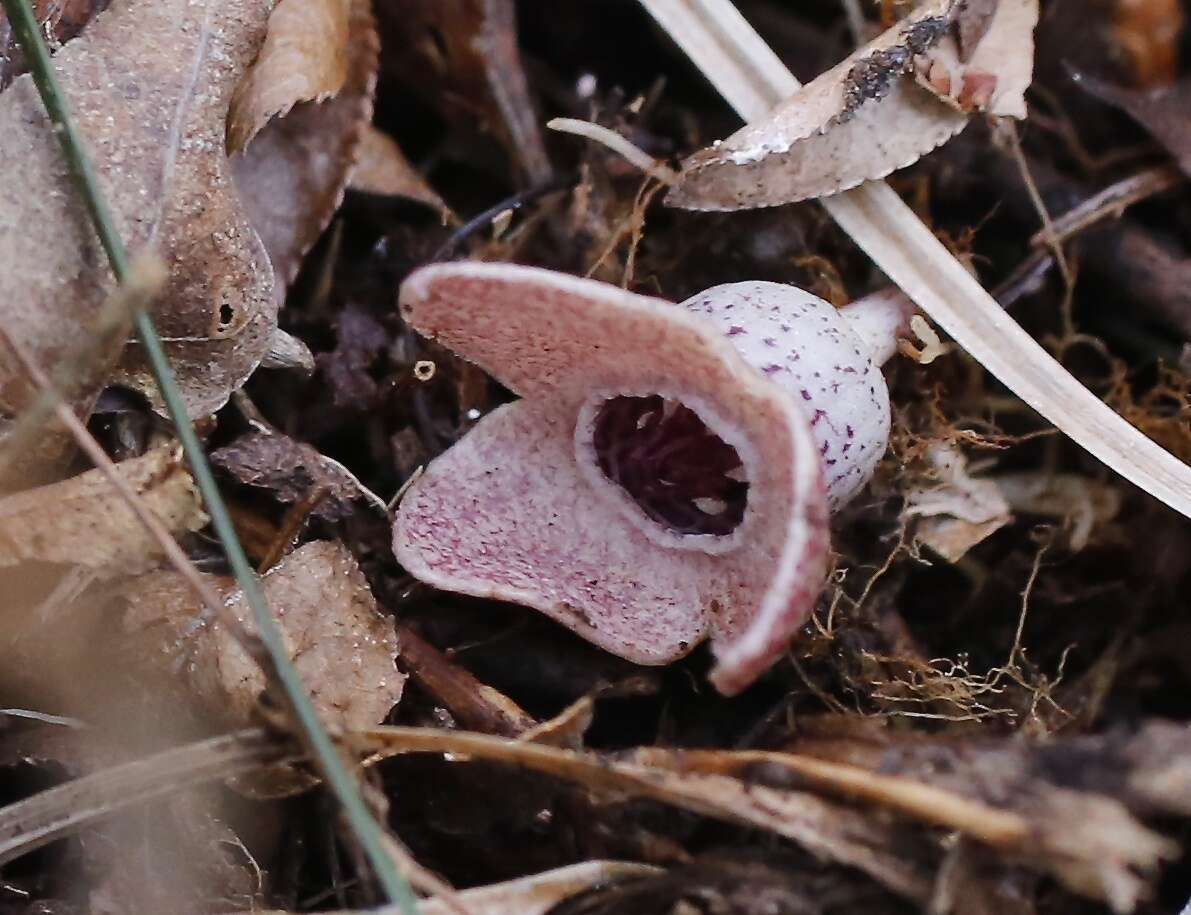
[{"x": 666, "y": 475}]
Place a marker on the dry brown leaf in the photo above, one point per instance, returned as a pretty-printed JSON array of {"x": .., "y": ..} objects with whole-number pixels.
[
  {"x": 1149, "y": 33},
  {"x": 60, "y": 21},
  {"x": 304, "y": 58},
  {"x": 291, "y": 470},
  {"x": 342, "y": 645},
  {"x": 464, "y": 54},
  {"x": 1163, "y": 111},
  {"x": 992, "y": 74},
  {"x": 869, "y": 115},
  {"x": 832, "y": 831},
  {"x": 149, "y": 83},
  {"x": 292, "y": 175},
  {"x": 383, "y": 169},
  {"x": 85, "y": 522}
]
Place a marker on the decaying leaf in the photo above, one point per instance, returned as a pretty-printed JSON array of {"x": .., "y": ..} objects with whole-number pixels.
[
  {"x": 304, "y": 58},
  {"x": 149, "y": 83},
  {"x": 1161, "y": 110},
  {"x": 829, "y": 830},
  {"x": 1149, "y": 33},
  {"x": 292, "y": 175},
  {"x": 291, "y": 470},
  {"x": 987, "y": 62},
  {"x": 464, "y": 53},
  {"x": 85, "y": 522},
  {"x": 906, "y": 92},
  {"x": 60, "y": 21},
  {"x": 956, "y": 511},
  {"x": 342, "y": 645},
  {"x": 383, "y": 169}
]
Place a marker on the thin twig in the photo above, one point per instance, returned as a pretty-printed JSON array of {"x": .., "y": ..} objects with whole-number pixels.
[
  {"x": 37, "y": 820},
  {"x": 309, "y": 728},
  {"x": 613, "y": 141},
  {"x": 1110, "y": 202},
  {"x": 1048, "y": 234},
  {"x": 753, "y": 79},
  {"x": 1113, "y": 201}
]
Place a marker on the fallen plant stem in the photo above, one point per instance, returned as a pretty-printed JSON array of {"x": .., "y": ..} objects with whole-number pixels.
[
  {"x": 747, "y": 73},
  {"x": 913, "y": 799},
  {"x": 1113, "y": 200},
  {"x": 613, "y": 141},
  {"x": 281, "y": 671},
  {"x": 36, "y": 821},
  {"x": 766, "y": 790}
]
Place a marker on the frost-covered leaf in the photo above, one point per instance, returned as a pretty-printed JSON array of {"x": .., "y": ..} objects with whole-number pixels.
[
  {"x": 900, "y": 96},
  {"x": 304, "y": 58},
  {"x": 149, "y": 83},
  {"x": 85, "y": 522},
  {"x": 342, "y": 645}
]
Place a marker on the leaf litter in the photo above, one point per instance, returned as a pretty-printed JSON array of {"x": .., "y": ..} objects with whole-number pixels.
[{"x": 984, "y": 709}]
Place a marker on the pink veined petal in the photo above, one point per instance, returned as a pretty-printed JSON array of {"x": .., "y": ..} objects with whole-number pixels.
[
  {"x": 504, "y": 514},
  {"x": 559, "y": 340}
]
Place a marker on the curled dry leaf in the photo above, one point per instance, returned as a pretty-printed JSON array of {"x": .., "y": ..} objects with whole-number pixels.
[
  {"x": 1161, "y": 110},
  {"x": 291, "y": 470},
  {"x": 342, "y": 645},
  {"x": 465, "y": 54},
  {"x": 667, "y": 475},
  {"x": 149, "y": 83},
  {"x": 906, "y": 92},
  {"x": 60, "y": 21},
  {"x": 383, "y": 169},
  {"x": 292, "y": 175},
  {"x": 85, "y": 522},
  {"x": 304, "y": 58}
]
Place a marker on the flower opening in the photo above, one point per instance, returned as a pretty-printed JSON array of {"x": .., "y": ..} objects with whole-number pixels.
[{"x": 680, "y": 473}]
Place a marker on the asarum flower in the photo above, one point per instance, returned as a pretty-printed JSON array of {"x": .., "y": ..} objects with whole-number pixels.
[{"x": 667, "y": 474}]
